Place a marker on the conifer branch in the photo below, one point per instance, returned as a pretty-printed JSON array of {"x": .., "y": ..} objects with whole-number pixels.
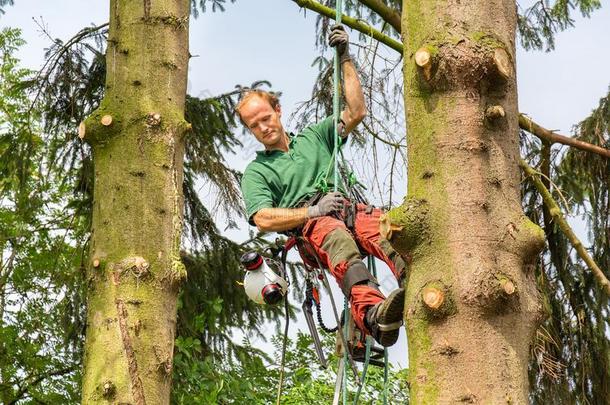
[
  {"x": 555, "y": 212},
  {"x": 351, "y": 22},
  {"x": 530, "y": 126}
]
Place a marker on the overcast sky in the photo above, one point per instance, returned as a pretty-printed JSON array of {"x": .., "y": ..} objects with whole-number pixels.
[{"x": 274, "y": 40}]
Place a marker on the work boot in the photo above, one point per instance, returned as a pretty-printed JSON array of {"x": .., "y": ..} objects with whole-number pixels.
[{"x": 384, "y": 319}]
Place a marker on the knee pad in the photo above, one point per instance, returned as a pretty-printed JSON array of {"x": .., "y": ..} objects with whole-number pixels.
[{"x": 356, "y": 273}]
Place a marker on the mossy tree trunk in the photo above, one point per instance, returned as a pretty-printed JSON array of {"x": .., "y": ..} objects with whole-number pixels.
[
  {"x": 472, "y": 306},
  {"x": 137, "y": 141}
]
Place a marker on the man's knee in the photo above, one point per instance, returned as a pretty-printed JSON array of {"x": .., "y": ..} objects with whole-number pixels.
[
  {"x": 396, "y": 259},
  {"x": 357, "y": 274},
  {"x": 341, "y": 247}
]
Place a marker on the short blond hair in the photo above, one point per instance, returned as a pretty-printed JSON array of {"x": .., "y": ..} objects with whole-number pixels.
[{"x": 271, "y": 98}]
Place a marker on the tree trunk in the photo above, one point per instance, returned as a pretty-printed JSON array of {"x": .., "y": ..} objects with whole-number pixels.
[
  {"x": 472, "y": 306},
  {"x": 137, "y": 141}
]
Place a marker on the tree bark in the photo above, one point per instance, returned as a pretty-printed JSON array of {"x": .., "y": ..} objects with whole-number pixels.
[
  {"x": 137, "y": 141},
  {"x": 462, "y": 226}
]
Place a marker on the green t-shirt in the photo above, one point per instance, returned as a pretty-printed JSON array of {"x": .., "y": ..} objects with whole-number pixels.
[{"x": 283, "y": 179}]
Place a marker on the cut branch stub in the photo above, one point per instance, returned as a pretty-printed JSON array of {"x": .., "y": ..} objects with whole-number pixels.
[
  {"x": 136, "y": 266},
  {"x": 153, "y": 119},
  {"x": 82, "y": 129},
  {"x": 503, "y": 64},
  {"x": 493, "y": 112},
  {"x": 436, "y": 302},
  {"x": 433, "y": 297},
  {"x": 96, "y": 263},
  {"x": 387, "y": 228},
  {"x": 507, "y": 286},
  {"x": 108, "y": 390},
  {"x": 106, "y": 120},
  {"x": 406, "y": 225},
  {"x": 423, "y": 59},
  {"x": 494, "y": 292},
  {"x": 524, "y": 238}
]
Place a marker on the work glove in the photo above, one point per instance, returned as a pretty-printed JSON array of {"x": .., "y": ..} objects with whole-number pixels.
[
  {"x": 339, "y": 38},
  {"x": 330, "y": 203}
]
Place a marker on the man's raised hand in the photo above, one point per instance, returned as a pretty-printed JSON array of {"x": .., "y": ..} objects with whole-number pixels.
[{"x": 339, "y": 38}]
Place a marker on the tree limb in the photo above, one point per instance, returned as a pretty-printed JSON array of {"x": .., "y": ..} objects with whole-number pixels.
[
  {"x": 530, "y": 126},
  {"x": 23, "y": 390},
  {"x": 379, "y": 138},
  {"x": 555, "y": 212},
  {"x": 387, "y": 13},
  {"x": 354, "y": 23}
]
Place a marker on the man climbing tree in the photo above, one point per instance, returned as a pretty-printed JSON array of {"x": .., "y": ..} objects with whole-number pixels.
[{"x": 286, "y": 188}]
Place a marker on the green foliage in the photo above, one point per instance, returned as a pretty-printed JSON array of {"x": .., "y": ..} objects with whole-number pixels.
[
  {"x": 215, "y": 274},
  {"x": 539, "y": 23},
  {"x": 4, "y": 3},
  {"x": 41, "y": 277},
  {"x": 253, "y": 378},
  {"x": 217, "y": 5},
  {"x": 211, "y": 138},
  {"x": 571, "y": 357}
]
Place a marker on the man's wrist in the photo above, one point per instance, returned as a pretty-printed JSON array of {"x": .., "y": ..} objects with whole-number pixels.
[
  {"x": 345, "y": 57},
  {"x": 313, "y": 211}
]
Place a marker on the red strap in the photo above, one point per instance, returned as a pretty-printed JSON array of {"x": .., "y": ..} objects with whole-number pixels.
[
  {"x": 316, "y": 295},
  {"x": 290, "y": 243}
]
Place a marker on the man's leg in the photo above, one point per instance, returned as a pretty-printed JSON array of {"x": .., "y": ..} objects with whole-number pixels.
[
  {"x": 384, "y": 319},
  {"x": 366, "y": 230},
  {"x": 338, "y": 251}
]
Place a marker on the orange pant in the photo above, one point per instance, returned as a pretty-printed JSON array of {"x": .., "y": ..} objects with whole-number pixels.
[{"x": 337, "y": 249}]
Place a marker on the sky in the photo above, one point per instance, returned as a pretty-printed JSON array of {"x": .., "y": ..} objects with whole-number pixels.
[{"x": 274, "y": 40}]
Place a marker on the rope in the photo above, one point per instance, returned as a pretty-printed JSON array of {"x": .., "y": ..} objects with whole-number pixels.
[
  {"x": 285, "y": 339},
  {"x": 336, "y": 113},
  {"x": 385, "y": 377},
  {"x": 350, "y": 181},
  {"x": 367, "y": 356},
  {"x": 369, "y": 340},
  {"x": 282, "y": 362},
  {"x": 337, "y": 100},
  {"x": 321, "y": 321}
]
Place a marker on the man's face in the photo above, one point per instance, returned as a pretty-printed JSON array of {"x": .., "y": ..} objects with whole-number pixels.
[{"x": 263, "y": 121}]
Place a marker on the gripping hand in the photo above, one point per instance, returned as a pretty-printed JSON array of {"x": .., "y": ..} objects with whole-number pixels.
[
  {"x": 339, "y": 38},
  {"x": 330, "y": 203}
]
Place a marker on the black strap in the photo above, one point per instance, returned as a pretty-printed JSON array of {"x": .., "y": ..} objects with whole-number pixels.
[
  {"x": 356, "y": 273},
  {"x": 311, "y": 301}
]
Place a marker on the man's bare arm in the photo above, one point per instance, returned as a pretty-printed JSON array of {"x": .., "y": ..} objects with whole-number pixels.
[
  {"x": 280, "y": 219},
  {"x": 355, "y": 109},
  {"x": 283, "y": 219}
]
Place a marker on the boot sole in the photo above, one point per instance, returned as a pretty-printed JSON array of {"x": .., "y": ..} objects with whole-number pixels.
[{"x": 391, "y": 311}]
